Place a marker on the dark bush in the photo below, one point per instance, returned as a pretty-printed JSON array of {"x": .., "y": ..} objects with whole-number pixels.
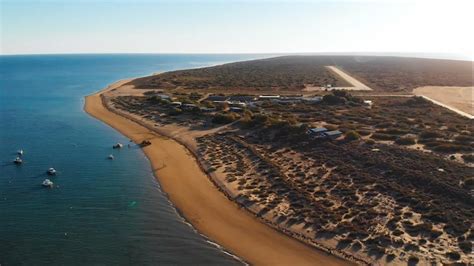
[
  {"x": 453, "y": 255},
  {"x": 224, "y": 118},
  {"x": 405, "y": 141},
  {"x": 451, "y": 148},
  {"x": 466, "y": 246},
  {"x": 430, "y": 135},
  {"x": 381, "y": 136},
  {"x": 468, "y": 158},
  {"x": 370, "y": 142},
  {"x": 352, "y": 135}
]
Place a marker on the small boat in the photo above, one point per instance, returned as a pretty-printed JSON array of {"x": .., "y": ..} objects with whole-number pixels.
[
  {"x": 118, "y": 146},
  {"x": 18, "y": 160},
  {"x": 20, "y": 152},
  {"x": 51, "y": 171},
  {"x": 111, "y": 157},
  {"x": 47, "y": 183}
]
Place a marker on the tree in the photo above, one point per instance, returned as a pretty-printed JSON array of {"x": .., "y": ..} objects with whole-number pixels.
[{"x": 352, "y": 135}]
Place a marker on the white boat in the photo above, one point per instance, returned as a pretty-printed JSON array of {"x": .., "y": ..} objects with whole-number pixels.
[
  {"x": 47, "y": 183},
  {"x": 118, "y": 146},
  {"x": 51, "y": 171},
  {"x": 20, "y": 152},
  {"x": 18, "y": 160},
  {"x": 111, "y": 157}
]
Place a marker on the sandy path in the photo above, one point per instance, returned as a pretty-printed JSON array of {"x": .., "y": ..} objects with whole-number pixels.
[
  {"x": 357, "y": 85},
  {"x": 208, "y": 210},
  {"x": 457, "y": 99}
]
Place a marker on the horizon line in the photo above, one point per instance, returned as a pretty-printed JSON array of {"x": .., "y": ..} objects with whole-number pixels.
[{"x": 425, "y": 55}]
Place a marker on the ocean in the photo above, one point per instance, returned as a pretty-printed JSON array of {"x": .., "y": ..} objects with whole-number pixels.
[{"x": 100, "y": 212}]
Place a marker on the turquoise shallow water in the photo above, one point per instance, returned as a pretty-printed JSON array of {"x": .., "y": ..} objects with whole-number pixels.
[{"x": 100, "y": 212}]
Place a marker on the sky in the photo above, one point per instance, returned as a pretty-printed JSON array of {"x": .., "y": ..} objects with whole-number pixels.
[{"x": 146, "y": 26}]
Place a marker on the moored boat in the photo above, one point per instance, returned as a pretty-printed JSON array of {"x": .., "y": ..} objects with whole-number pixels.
[
  {"x": 118, "y": 146},
  {"x": 18, "y": 160},
  {"x": 47, "y": 183},
  {"x": 111, "y": 157},
  {"x": 51, "y": 171}
]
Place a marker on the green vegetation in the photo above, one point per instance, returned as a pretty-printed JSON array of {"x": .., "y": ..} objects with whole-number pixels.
[
  {"x": 405, "y": 141},
  {"x": 294, "y": 72},
  {"x": 352, "y": 135},
  {"x": 221, "y": 118},
  {"x": 468, "y": 158},
  {"x": 340, "y": 97}
]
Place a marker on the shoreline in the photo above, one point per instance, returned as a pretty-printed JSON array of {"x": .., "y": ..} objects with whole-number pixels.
[{"x": 201, "y": 203}]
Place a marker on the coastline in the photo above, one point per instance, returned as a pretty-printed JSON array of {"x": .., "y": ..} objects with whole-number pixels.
[{"x": 202, "y": 204}]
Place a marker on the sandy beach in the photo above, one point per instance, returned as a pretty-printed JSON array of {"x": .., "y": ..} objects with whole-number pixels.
[
  {"x": 458, "y": 99},
  {"x": 203, "y": 205}
]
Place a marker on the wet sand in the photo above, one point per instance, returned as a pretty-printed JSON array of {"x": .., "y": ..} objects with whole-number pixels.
[{"x": 206, "y": 208}]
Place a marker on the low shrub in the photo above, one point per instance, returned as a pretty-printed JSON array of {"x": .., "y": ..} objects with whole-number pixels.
[
  {"x": 466, "y": 246},
  {"x": 405, "y": 141},
  {"x": 450, "y": 148},
  {"x": 224, "y": 118},
  {"x": 381, "y": 136},
  {"x": 468, "y": 158},
  {"x": 430, "y": 135},
  {"x": 352, "y": 135},
  {"x": 370, "y": 142}
]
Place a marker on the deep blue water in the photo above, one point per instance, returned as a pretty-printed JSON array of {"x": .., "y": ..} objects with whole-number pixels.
[{"x": 100, "y": 212}]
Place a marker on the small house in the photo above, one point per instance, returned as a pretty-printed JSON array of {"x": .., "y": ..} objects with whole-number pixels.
[
  {"x": 334, "y": 134},
  {"x": 289, "y": 99},
  {"x": 269, "y": 97},
  {"x": 208, "y": 109},
  {"x": 189, "y": 107},
  {"x": 242, "y": 98},
  {"x": 216, "y": 98},
  {"x": 315, "y": 99},
  {"x": 164, "y": 97},
  {"x": 317, "y": 131},
  {"x": 237, "y": 104},
  {"x": 236, "y": 109}
]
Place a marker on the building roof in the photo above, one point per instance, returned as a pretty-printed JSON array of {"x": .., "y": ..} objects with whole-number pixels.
[
  {"x": 333, "y": 133},
  {"x": 318, "y": 130},
  {"x": 219, "y": 98},
  {"x": 236, "y": 109},
  {"x": 315, "y": 98},
  {"x": 269, "y": 96},
  {"x": 242, "y": 98},
  {"x": 163, "y": 96}
]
